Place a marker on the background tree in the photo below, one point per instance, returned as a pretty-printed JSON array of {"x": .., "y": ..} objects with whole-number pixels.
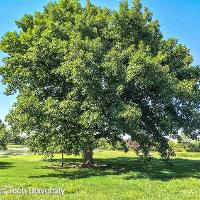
[
  {"x": 84, "y": 73},
  {"x": 3, "y": 136}
]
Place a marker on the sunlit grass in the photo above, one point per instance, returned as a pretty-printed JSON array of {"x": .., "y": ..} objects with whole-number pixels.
[{"x": 125, "y": 177}]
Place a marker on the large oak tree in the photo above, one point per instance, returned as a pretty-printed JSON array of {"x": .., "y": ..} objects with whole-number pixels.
[{"x": 83, "y": 73}]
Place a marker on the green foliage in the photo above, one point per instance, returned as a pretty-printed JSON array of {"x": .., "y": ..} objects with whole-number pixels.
[
  {"x": 102, "y": 143},
  {"x": 185, "y": 141},
  {"x": 194, "y": 146},
  {"x": 3, "y": 136},
  {"x": 188, "y": 144},
  {"x": 121, "y": 145},
  {"x": 177, "y": 147},
  {"x": 83, "y": 73},
  {"x": 17, "y": 139}
]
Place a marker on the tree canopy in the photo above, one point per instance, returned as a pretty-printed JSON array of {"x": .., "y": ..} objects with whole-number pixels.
[{"x": 84, "y": 73}]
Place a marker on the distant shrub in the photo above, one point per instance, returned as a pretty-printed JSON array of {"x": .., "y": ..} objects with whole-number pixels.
[
  {"x": 194, "y": 146},
  {"x": 3, "y": 136},
  {"x": 121, "y": 145},
  {"x": 177, "y": 147},
  {"x": 3, "y": 142},
  {"x": 102, "y": 143},
  {"x": 17, "y": 139},
  {"x": 133, "y": 145}
]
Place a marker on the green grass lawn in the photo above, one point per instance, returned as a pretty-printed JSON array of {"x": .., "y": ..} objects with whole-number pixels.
[{"x": 125, "y": 177}]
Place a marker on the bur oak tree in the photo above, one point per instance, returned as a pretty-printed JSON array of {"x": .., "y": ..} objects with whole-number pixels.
[{"x": 84, "y": 73}]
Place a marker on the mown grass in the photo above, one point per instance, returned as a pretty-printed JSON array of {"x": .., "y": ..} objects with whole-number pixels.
[
  {"x": 188, "y": 154},
  {"x": 125, "y": 177}
]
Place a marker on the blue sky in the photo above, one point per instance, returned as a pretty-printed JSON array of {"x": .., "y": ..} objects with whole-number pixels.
[{"x": 178, "y": 18}]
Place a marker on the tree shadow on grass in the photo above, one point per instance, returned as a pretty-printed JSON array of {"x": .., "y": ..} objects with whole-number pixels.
[
  {"x": 5, "y": 165},
  {"x": 130, "y": 168}
]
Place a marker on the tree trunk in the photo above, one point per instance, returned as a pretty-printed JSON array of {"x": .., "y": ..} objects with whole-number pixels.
[{"x": 88, "y": 156}]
